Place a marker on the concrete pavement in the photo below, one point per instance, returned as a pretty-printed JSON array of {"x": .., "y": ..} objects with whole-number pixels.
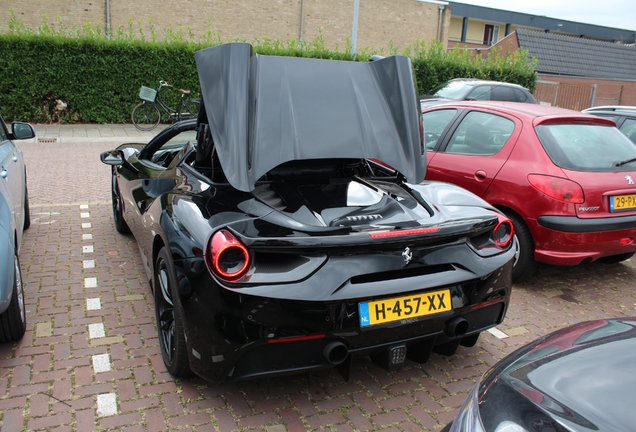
[{"x": 66, "y": 133}]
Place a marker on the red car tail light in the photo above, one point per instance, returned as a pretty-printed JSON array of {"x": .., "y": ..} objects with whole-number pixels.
[
  {"x": 226, "y": 256},
  {"x": 558, "y": 188},
  {"x": 504, "y": 232}
]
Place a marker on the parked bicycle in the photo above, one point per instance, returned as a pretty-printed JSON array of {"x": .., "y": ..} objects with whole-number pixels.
[{"x": 147, "y": 115}]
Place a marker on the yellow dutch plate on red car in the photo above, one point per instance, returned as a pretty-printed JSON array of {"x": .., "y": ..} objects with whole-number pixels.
[
  {"x": 404, "y": 308},
  {"x": 622, "y": 202}
]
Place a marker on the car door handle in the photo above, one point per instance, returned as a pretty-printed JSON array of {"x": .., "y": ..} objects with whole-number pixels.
[{"x": 480, "y": 175}]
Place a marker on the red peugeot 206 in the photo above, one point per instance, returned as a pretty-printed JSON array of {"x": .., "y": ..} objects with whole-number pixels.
[{"x": 566, "y": 179}]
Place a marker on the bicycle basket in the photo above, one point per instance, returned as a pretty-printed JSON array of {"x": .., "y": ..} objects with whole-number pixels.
[{"x": 148, "y": 94}]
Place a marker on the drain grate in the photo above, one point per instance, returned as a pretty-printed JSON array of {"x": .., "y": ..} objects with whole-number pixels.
[{"x": 47, "y": 140}]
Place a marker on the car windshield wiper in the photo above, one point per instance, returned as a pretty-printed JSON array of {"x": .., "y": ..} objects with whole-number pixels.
[{"x": 625, "y": 162}]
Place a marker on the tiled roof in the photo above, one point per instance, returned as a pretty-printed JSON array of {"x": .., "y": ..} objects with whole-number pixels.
[{"x": 568, "y": 55}]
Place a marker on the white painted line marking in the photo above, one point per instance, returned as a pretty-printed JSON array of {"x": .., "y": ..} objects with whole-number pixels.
[
  {"x": 90, "y": 282},
  {"x": 85, "y": 215},
  {"x": 83, "y": 206},
  {"x": 93, "y": 304},
  {"x": 86, "y": 225},
  {"x": 88, "y": 264},
  {"x": 87, "y": 236},
  {"x": 497, "y": 333},
  {"x": 88, "y": 249},
  {"x": 101, "y": 363},
  {"x": 96, "y": 331},
  {"x": 106, "y": 404}
]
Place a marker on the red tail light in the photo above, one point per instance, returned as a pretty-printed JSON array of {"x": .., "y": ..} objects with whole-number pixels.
[
  {"x": 226, "y": 256},
  {"x": 558, "y": 188},
  {"x": 504, "y": 232}
]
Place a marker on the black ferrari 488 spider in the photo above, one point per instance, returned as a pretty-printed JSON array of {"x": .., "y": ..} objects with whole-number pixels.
[{"x": 289, "y": 228}]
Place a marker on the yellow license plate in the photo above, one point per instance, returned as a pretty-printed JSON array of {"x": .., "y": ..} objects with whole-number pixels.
[
  {"x": 404, "y": 308},
  {"x": 622, "y": 202}
]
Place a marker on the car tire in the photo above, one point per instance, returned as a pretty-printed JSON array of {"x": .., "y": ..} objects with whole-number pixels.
[
  {"x": 27, "y": 211},
  {"x": 616, "y": 258},
  {"x": 168, "y": 317},
  {"x": 13, "y": 320},
  {"x": 524, "y": 264},
  {"x": 118, "y": 214}
]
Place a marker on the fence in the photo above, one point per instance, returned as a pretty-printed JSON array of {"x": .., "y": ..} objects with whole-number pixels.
[{"x": 565, "y": 95}]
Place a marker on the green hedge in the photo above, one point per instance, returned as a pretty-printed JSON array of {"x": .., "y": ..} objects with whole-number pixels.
[{"x": 99, "y": 79}]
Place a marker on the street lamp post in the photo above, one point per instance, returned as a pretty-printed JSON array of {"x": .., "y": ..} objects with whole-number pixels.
[{"x": 354, "y": 27}]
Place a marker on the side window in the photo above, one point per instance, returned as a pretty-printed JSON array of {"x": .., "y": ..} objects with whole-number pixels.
[
  {"x": 479, "y": 93},
  {"x": 3, "y": 132},
  {"x": 480, "y": 133},
  {"x": 165, "y": 154},
  {"x": 521, "y": 96},
  {"x": 629, "y": 128},
  {"x": 434, "y": 124},
  {"x": 502, "y": 93}
]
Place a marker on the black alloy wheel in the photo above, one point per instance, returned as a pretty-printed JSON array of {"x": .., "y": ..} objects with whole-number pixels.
[
  {"x": 13, "y": 320},
  {"x": 118, "y": 216},
  {"x": 168, "y": 316}
]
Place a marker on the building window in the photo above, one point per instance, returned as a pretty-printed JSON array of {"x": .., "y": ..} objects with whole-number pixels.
[{"x": 491, "y": 34}]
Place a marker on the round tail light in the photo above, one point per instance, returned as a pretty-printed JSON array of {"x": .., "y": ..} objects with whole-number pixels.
[
  {"x": 504, "y": 232},
  {"x": 226, "y": 256}
]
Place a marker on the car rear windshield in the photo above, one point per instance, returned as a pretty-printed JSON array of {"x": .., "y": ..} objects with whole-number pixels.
[
  {"x": 450, "y": 90},
  {"x": 585, "y": 147}
]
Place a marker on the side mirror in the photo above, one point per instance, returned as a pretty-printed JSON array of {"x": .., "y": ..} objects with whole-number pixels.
[
  {"x": 112, "y": 157},
  {"x": 22, "y": 131}
]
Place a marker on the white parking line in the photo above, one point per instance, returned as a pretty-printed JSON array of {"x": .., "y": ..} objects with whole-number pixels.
[
  {"x": 93, "y": 304},
  {"x": 88, "y": 249},
  {"x": 90, "y": 282},
  {"x": 101, "y": 363},
  {"x": 96, "y": 331},
  {"x": 87, "y": 236},
  {"x": 497, "y": 333},
  {"x": 106, "y": 404},
  {"x": 88, "y": 264},
  {"x": 86, "y": 225}
]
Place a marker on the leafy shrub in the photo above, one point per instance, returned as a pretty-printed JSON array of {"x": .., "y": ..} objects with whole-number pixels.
[{"x": 84, "y": 75}]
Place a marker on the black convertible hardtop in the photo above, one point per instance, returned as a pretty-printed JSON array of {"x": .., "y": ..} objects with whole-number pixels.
[{"x": 264, "y": 111}]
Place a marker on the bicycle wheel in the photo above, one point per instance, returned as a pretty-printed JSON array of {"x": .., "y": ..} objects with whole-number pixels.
[
  {"x": 146, "y": 116},
  {"x": 189, "y": 109}
]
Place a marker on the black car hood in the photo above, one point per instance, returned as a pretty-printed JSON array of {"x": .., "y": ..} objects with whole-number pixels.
[
  {"x": 265, "y": 110},
  {"x": 578, "y": 379}
]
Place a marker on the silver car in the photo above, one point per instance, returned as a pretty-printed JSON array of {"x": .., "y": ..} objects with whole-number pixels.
[{"x": 14, "y": 219}]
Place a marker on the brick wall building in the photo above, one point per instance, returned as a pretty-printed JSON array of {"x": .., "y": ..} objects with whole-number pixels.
[{"x": 381, "y": 24}]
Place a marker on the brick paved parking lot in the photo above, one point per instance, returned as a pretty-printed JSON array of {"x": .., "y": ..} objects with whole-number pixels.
[{"x": 90, "y": 359}]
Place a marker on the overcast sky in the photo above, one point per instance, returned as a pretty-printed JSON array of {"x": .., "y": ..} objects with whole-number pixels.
[{"x": 610, "y": 13}]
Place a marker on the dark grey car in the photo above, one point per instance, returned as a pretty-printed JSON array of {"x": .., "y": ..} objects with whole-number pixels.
[
  {"x": 14, "y": 218},
  {"x": 475, "y": 89}
]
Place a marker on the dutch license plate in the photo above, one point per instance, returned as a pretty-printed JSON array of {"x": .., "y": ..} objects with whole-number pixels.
[
  {"x": 622, "y": 202},
  {"x": 404, "y": 308}
]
